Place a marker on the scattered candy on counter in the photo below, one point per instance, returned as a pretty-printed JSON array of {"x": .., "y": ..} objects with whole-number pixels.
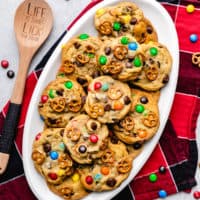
[
  {"x": 162, "y": 169},
  {"x": 196, "y": 195},
  {"x": 190, "y": 8},
  {"x": 153, "y": 177},
  {"x": 10, "y": 73},
  {"x": 193, "y": 38},
  {"x": 162, "y": 194},
  {"x": 4, "y": 64}
]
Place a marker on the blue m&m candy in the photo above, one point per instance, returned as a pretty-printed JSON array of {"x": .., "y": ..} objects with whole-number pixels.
[
  {"x": 54, "y": 155},
  {"x": 132, "y": 46},
  {"x": 162, "y": 194},
  {"x": 193, "y": 38}
]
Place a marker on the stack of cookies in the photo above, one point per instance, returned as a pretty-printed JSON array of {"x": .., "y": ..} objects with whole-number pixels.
[{"x": 103, "y": 104}]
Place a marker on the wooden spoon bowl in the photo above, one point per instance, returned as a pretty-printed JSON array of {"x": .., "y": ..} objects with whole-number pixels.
[{"x": 32, "y": 24}]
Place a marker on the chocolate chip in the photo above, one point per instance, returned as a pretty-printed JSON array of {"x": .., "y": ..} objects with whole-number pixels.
[
  {"x": 129, "y": 65},
  {"x": 166, "y": 79},
  {"x": 51, "y": 121},
  {"x": 61, "y": 132},
  {"x": 124, "y": 28},
  {"x": 130, "y": 58},
  {"x": 144, "y": 100},
  {"x": 59, "y": 92},
  {"x": 80, "y": 80},
  {"x": 10, "y": 73},
  {"x": 149, "y": 29},
  {"x": 77, "y": 45},
  {"x": 107, "y": 107},
  {"x": 82, "y": 149},
  {"x": 96, "y": 74},
  {"x": 47, "y": 147},
  {"x": 137, "y": 145},
  {"x": 158, "y": 63},
  {"x": 151, "y": 60},
  {"x": 83, "y": 99},
  {"x": 114, "y": 139},
  {"x": 111, "y": 182},
  {"x": 107, "y": 50},
  {"x": 79, "y": 64},
  {"x": 127, "y": 100},
  {"x": 133, "y": 21},
  {"x": 93, "y": 126}
]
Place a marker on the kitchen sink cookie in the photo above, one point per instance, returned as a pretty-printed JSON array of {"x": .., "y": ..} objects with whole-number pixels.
[
  {"x": 109, "y": 171},
  {"x": 108, "y": 100},
  {"x": 50, "y": 157},
  {"x": 79, "y": 59},
  {"x": 60, "y": 101},
  {"x": 121, "y": 58},
  {"x": 123, "y": 18},
  {"x": 70, "y": 189},
  {"x": 85, "y": 138},
  {"x": 157, "y": 67},
  {"x": 142, "y": 122}
]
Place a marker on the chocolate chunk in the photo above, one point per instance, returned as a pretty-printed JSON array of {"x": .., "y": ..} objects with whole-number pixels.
[
  {"x": 83, "y": 99},
  {"x": 166, "y": 79},
  {"x": 130, "y": 58},
  {"x": 151, "y": 60},
  {"x": 93, "y": 126},
  {"x": 144, "y": 100},
  {"x": 149, "y": 29},
  {"x": 133, "y": 21},
  {"x": 59, "y": 92},
  {"x": 107, "y": 107},
  {"x": 107, "y": 50},
  {"x": 51, "y": 121},
  {"x": 61, "y": 132},
  {"x": 114, "y": 139},
  {"x": 80, "y": 80},
  {"x": 127, "y": 100},
  {"x": 111, "y": 182},
  {"x": 96, "y": 74},
  {"x": 137, "y": 145},
  {"x": 47, "y": 147},
  {"x": 79, "y": 64},
  {"x": 77, "y": 45}
]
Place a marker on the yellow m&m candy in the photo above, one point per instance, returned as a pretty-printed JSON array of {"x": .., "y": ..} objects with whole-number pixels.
[
  {"x": 100, "y": 12},
  {"x": 190, "y": 8},
  {"x": 75, "y": 177}
]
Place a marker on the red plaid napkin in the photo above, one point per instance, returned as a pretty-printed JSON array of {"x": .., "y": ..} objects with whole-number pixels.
[{"x": 177, "y": 149}]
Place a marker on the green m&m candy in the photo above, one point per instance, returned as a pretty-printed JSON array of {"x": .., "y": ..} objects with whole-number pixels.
[
  {"x": 83, "y": 36},
  {"x": 51, "y": 94},
  {"x": 153, "y": 177},
  {"x": 68, "y": 84},
  {"x": 153, "y": 51},
  {"x": 125, "y": 40},
  {"x": 116, "y": 26},
  {"x": 137, "y": 62},
  {"x": 102, "y": 60},
  {"x": 139, "y": 108}
]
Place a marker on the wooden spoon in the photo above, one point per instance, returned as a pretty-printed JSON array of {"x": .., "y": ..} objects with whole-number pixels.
[{"x": 33, "y": 23}]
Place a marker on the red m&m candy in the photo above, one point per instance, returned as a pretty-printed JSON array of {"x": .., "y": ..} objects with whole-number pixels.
[
  {"x": 4, "y": 64},
  {"x": 89, "y": 180},
  {"x": 94, "y": 138},
  {"x": 97, "y": 85}
]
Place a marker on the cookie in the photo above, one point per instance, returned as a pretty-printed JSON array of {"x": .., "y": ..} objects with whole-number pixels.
[
  {"x": 70, "y": 189},
  {"x": 85, "y": 138},
  {"x": 121, "y": 58},
  {"x": 157, "y": 67},
  {"x": 109, "y": 171},
  {"x": 79, "y": 59},
  {"x": 50, "y": 157},
  {"x": 61, "y": 100},
  {"x": 108, "y": 100},
  {"x": 123, "y": 18},
  {"x": 142, "y": 122}
]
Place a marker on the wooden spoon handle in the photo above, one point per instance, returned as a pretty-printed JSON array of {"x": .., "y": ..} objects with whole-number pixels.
[{"x": 8, "y": 134}]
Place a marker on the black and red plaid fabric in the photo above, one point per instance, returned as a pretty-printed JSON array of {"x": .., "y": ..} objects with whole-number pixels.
[{"x": 176, "y": 150}]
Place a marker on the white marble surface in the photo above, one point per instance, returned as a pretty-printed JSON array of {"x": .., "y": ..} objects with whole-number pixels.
[{"x": 64, "y": 12}]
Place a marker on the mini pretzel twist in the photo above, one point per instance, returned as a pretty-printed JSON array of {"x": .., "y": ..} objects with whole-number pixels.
[
  {"x": 152, "y": 72},
  {"x": 105, "y": 28},
  {"x": 127, "y": 123},
  {"x": 96, "y": 110},
  {"x": 83, "y": 59},
  {"x": 115, "y": 67},
  {"x": 124, "y": 165},
  {"x": 64, "y": 161},
  {"x": 73, "y": 134},
  {"x": 38, "y": 157},
  {"x": 66, "y": 192},
  {"x": 114, "y": 93},
  {"x": 108, "y": 156},
  {"x": 151, "y": 120},
  {"x": 120, "y": 52},
  {"x": 58, "y": 104},
  {"x": 67, "y": 67}
]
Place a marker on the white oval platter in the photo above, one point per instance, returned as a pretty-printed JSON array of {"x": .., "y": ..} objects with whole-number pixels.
[{"x": 167, "y": 35}]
